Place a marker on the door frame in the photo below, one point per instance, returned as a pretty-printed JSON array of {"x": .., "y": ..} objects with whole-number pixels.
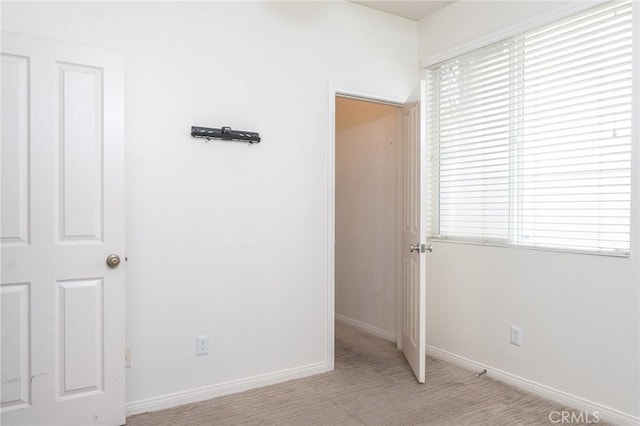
[{"x": 346, "y": 92}]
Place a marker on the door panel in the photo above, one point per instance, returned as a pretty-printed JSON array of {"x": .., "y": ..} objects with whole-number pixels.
[
  {"x": 80, "y": 157},
  {"x": 80, "y": 340},
  {"x": 15, "y": 150},
  {"x": 15, "y": 342},
  {"x": 62, "y": 215},
  {"x": 413, "y": 277}
]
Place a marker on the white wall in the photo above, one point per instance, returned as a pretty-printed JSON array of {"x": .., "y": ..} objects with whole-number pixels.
[
  {"x": 366, "y": 213},
  {"x": 579, "y": 313},
  {"x": 223, "y": 237}
]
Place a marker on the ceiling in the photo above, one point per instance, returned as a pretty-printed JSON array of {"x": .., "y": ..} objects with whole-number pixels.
[{"x": 414, "y": 10}]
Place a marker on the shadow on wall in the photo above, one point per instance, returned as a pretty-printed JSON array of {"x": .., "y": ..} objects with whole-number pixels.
[{"x": 348, "y": 116}]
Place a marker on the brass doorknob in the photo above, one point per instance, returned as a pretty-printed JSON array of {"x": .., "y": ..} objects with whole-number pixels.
[{"x": 113, "y": 260}]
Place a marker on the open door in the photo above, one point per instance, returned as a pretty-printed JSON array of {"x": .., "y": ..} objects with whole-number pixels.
[
  {"x": 62, "y": 286},
  {"x": 413, "y": 304}
]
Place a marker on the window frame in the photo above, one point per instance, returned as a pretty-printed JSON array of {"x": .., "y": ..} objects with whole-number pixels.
[{"x": 552, "y": 16}]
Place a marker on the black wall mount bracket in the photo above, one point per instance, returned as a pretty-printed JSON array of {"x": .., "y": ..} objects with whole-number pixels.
[{"x": 225, "y": 134}]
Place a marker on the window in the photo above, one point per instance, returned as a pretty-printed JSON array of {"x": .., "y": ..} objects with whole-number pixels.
[{"x": 529, "y": 139}]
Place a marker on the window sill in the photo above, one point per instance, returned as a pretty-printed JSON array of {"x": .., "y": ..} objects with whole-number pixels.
[{"x": 504, "y": 244}]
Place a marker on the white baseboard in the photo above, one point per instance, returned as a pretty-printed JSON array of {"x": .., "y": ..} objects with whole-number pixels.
[
  {"x": 605, "y": 413},
  {"x": 207, "y": 392},
  {"x": 367, "y": 328}
]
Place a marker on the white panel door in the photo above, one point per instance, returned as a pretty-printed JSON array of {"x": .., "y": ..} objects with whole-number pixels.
[
  {"x": 62, "y": 174},
  {"x": 413, "y": 303}
]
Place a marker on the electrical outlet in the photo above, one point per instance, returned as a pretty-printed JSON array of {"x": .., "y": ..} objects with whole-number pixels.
[
  {"x": 516, "y": 335},
  {"x": 202, "y": 345},
  {"x": 127, "y": 358}
]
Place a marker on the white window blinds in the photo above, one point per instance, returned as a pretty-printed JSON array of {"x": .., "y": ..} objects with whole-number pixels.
[{"x": 529, "y": 139}]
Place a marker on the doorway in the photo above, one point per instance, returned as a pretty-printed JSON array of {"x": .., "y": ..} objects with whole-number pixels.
[{"x": 367, "y": 214}]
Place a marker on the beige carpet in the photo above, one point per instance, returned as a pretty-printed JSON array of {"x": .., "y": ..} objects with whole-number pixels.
[{"x": 372, "y": 385}]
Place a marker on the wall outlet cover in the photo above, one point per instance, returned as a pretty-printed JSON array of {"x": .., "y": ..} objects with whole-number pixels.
[
  {"x": 516, "y": 335},
  {"x": 202, "y": 345}
]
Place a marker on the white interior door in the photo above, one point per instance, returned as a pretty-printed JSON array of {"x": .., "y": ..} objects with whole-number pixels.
[
  {"x": 63, "y": 310},
  {"x": 413, "y": 303}
]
